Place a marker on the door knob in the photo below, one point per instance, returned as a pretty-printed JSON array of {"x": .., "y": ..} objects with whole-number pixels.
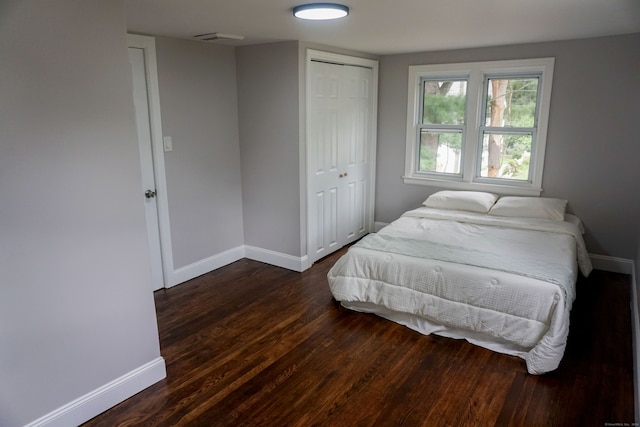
[{"x": 150, "y": 194}]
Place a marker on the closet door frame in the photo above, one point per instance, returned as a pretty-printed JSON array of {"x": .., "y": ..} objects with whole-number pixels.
[{"x": 306, "y": 194}]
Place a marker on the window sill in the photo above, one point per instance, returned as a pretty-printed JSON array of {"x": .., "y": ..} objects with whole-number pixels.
[{"x": 510, "y": 190}]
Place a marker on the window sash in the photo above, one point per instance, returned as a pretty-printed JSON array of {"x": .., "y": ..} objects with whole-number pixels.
[
  {"x": 510, "y": 76},
  {"x": 505, "y": 131},
  {"x": 455, "y": 129},
  {"x": 422, "y": 84}
]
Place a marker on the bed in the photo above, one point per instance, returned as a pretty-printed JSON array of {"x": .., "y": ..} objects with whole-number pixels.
[{"x": 497, "y": 272}]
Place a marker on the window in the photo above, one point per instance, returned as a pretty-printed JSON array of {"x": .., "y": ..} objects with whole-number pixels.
[{"x": 479, "y": 125}]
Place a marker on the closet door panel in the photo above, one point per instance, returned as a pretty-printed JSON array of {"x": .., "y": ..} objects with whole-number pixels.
[
  {"x": 354, "y": 141},
  {"x": 323, "y": 147}
]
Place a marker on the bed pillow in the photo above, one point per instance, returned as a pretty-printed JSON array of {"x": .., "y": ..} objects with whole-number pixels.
[
  {"x": 473, "y": 201},
  {"x": 530, "y": 207}
]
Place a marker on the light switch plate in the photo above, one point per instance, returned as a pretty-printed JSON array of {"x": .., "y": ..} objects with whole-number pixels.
[{"x": 168, "y": 143}]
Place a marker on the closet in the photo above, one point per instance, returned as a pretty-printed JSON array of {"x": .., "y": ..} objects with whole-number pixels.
[{"x": 341, "y": 125}]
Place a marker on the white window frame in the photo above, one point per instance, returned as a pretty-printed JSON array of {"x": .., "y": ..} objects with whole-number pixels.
[{"x": 475, "y": 73}]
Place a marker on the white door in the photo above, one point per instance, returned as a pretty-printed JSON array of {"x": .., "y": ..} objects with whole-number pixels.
[
  {"x": 149, "y": 191},
  {"x": 340, "y": 109}
]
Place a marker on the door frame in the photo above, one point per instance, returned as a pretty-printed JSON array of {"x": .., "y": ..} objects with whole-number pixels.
[
  {"x": 340, "y": 59},
  {"x": 148, "y": 46}
]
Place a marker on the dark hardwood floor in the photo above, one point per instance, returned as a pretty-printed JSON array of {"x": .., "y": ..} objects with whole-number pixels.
[{"x": 255, "y": 345}]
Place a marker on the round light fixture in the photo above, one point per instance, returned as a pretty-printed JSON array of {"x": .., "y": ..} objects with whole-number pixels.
[{"x": 320, "y": 11}]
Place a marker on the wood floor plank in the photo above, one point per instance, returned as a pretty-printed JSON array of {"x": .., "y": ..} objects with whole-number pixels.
[{"x": 255, "y": 345}]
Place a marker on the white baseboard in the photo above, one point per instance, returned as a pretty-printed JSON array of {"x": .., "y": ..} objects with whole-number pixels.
[
  {"x": 278, "y": 259},
  {"x": 206, "y": 265},
  {"x": 612, "y": 264},
  {"x": 214, "y": 262},
  {"x": 99, "y": 400}
]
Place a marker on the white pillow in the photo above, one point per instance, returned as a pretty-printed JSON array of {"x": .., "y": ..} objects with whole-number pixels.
[
  {"x": 530, "y": 207},
  {"x": 473, "y": 201}
]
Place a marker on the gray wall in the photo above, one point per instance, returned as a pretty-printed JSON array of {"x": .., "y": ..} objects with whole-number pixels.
[
  {"x": 268, "y": 94},
  {"x": 592, "y": 146},
  {"x": 197, "y": 84},
  {"x": 76, "y": 307}
]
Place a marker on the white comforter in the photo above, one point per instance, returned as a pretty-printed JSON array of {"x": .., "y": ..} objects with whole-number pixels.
[{"x": 506, "y": 284}]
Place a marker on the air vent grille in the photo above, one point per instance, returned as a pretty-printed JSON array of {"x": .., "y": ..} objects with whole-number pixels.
[{"x": 209, "y": 37}]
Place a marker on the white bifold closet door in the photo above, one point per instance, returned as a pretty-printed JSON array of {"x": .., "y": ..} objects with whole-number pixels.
[{"x": 339, "y": 146}]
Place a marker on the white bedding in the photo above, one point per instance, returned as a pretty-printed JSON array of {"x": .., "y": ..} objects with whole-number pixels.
[{"x": 506, "y": 284}]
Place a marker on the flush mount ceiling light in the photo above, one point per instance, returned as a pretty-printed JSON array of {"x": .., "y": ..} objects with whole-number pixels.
[{"x": 320, "y": 11}]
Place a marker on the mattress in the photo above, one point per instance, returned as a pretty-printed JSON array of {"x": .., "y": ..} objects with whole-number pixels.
[{"x": 506, "y": 284}]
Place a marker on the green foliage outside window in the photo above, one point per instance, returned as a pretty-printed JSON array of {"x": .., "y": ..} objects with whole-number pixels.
[
  {"x": 442, "y": 108},
  {"x": 444, "y": 103}
]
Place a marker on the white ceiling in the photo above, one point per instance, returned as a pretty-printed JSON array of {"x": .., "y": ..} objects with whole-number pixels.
[{"x": 387, "y": 26}]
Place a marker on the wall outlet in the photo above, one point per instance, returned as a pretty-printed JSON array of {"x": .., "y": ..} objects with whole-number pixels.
[{"x": 168, "y": 143}]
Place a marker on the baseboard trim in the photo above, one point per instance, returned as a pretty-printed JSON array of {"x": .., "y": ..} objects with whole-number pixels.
[
  {"x": 278, "y": 259},
  {"x": 214, "y": 262},
  {"x": 99, "y": 400},
  {"x": 206, "y": 265},
  {"x": 611, "y": 264}
]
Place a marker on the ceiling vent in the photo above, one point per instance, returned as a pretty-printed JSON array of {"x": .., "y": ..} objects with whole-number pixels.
[{"x": 209, "y": 37}]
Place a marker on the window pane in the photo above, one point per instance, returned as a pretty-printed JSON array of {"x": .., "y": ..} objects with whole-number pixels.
[
  {"x": 512, "y": 102},
  {"x": 506, "y": 156},
  {"x": 444, "y": 102},
  {"x": 440, "y": 151}
]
